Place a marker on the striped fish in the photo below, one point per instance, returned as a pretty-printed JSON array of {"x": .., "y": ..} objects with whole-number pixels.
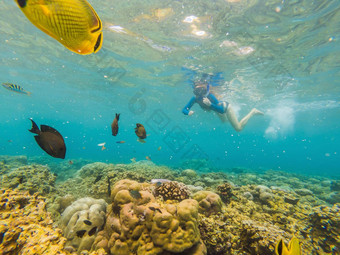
[
  {"x": 15, "y": 88},
  {"x": 73, "y": 23}
]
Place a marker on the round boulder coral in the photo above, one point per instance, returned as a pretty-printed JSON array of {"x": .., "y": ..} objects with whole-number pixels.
[
  {"x": 137, "y": 223},
  {"x": 208, "y": 202}
]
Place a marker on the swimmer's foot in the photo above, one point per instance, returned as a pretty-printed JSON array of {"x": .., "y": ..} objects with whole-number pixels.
[{"x": 257, "y": 112}]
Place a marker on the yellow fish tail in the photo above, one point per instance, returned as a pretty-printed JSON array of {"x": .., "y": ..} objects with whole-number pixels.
[{"x": 293, "y": 247}]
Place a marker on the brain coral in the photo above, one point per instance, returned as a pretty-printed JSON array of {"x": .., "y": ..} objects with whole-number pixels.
[
  {"x": 138, "y": 224},
  {"x": 81, "y": 221}
]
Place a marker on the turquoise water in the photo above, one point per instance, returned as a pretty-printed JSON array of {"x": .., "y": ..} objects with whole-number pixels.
[{"x": 278, "y": 56}]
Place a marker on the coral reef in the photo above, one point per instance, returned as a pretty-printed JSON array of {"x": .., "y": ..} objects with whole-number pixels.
[
  {"x": 335, "y": 185},
  {"x": 95, "y": 180},
  {"x": 259, "y": 209},
  {"x": 258, "y": 238},
  {"x": 189, "y": 173},
  {"x": 209, "y": 202},
  {"x": 81, "y": 221},
  {"x": 324, "y": 227},
  {"x": 4, "y": 168},
  {"x": 139, "y": 224},
  {"x": 200, "y": 165},
  {"x": 225, "y": 192},
  {"x": 25, "y": 226},
  {"x": 32, "y": 178},
  {"x": 13, "y": 161},
  {"x": 172, "y": 191},
  {"x": 254, "y": 226}
]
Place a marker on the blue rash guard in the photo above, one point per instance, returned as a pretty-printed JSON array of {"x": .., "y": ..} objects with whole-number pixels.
[{"x": 216, "y": 105}]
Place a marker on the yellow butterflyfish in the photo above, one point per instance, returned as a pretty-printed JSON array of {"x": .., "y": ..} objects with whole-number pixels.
[
  {"x": 293, "y": 247},
  {"x": 73, "y": 23}
]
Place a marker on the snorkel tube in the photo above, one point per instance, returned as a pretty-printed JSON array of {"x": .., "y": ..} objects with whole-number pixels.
[{"x": 208, "y": 90}]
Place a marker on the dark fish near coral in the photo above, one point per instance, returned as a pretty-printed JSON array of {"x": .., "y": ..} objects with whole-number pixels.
[
  {"x": 135, "y": 194},
  {"x": 155, "y": 209},
  {"x": 87, "y": 222},
  {"x": 49, "y": 139},
  {"x": 293, "y": 247},
  {"x": 80, "y": 233},
  {"x": 92, "y": 231},
  {"x": 73, "y": 23},
  {"x": 114, "y": 125},
  {"x": 108, "y": 186},
  {"x": 140, "y": 131},
  {"x": 99, "y": 176},
  {"x": 15, "y": 88}
]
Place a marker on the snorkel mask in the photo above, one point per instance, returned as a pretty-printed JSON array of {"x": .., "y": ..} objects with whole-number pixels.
[{"x": 201, "y": 89}]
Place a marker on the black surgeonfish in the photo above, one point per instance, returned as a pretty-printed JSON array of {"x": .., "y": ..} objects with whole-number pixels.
[
  {"x": 114, "y": 125},
  {"x": 49, "y": 139},
  {"x": 140, "y": 131}
]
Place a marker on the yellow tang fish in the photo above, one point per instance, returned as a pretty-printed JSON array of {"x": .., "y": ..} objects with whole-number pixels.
[
  {"x": 293, "y": 247},
  {"x": 73, "y": 23}
]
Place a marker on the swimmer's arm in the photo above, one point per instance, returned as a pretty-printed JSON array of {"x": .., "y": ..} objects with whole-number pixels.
[
  {"x": 217, "y": 107},
  {"x": 213, "y": 99},
  {"x": 215, "y": 104},
  {"x": 187, "y": 108}
]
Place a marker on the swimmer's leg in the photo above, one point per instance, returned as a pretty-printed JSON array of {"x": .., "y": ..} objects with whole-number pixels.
[
  {"x": 222, "y": 117},
  {"x": 238, "y": 126}
]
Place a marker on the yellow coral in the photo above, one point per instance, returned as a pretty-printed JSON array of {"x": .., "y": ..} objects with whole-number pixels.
[
  {"x": 209, "y": 202},
  {"x": 138, "y": 224},
  {"x": 26, "y": 226}
]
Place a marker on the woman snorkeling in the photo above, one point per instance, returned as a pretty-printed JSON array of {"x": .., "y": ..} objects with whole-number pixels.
[{"x": 206, "y": 100}]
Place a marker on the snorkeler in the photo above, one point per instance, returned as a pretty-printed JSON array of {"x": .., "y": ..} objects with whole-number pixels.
[{"x": 205, "y": 98}]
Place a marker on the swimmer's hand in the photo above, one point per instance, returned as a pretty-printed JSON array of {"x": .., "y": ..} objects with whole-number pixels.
[
  {"x": 191, "y": 113},
  {"x": 206, "y": 101}
]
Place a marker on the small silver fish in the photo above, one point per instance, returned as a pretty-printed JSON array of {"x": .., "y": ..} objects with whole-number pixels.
[{"x": 15, "y": 88}]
